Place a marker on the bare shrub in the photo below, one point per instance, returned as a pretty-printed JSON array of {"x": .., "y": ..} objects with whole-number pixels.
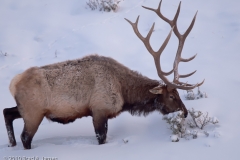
[
  {"x": 3, "y": 54},
  {"x": 104, "y": 5},
  {"x": 201, "y": 94},
  {"x": 192, "y": 96},
  {"x": 199, "y": 119},
  {"x": 187, "y": 128}
]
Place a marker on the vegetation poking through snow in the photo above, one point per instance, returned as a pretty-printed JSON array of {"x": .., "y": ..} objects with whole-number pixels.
[
  {"x": 56, "y": 54},
  {"x": 192, "y": 96},
  {"x": 125, "y": 141},
  {"x": 187, "y": 128},
  {"x": 104, "y": 5},
  {"x": 199, "y": 119},
  {"x": 3, "y": 54}
]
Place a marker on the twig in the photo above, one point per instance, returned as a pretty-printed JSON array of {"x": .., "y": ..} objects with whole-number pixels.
[
  {"x": 193, "y": 117},
  {"x": 205, "y": 121},
  {"x": 56, "y": 54},
  {"x": 4, "y": 54},
  {"x": 125, "y": 141}
]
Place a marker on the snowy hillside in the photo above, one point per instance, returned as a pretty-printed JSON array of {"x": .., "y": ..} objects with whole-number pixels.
[{"x": 35, "y": 33}]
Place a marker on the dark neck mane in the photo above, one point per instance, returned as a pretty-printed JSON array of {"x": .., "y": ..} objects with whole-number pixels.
[
  {"x": 143, "y": 108},
  {"x": 137, "y": 98}
]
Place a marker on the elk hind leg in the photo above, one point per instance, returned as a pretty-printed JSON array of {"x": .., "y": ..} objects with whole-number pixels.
[
  {"x": 32, "y": 122},
  {"x": 10, "y": 114}
]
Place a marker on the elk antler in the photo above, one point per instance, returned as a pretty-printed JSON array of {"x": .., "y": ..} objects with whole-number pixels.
[{"x": 156, "y": 55}]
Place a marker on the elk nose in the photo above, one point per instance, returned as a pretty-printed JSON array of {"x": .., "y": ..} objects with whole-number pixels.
[{"x": 185, "y": 114}]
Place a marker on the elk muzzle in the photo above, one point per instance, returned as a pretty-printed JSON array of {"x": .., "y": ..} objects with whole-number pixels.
[{"x": 185, "y": 111}]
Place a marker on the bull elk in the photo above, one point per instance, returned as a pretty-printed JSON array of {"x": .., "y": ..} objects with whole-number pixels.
[{"x": 95, "y": 86}]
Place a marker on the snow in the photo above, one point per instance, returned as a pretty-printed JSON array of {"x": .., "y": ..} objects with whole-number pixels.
[
  {"x": 215, "y": 120},
  {"x": 35, "y": 33},
  {"x": 174, "y": 138}
]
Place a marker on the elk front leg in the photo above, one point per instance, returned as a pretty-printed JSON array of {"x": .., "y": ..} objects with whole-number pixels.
[
  {"x": 100, "y": 124},
  {"x": 10, "y": 114},
  {"x": 106, "y": 127}
]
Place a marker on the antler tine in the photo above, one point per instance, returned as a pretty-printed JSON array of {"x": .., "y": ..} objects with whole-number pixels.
[
  {"x": 173, "y": 22},
  {"x": 189, "y": 59},
  {"x": 181, "y": 39},
  {"x": 156, "y": 55},
  {"x": 157, "y": 59},
  {"x": 199, "y": 84},
  {"x": 180, "y": 59},
  {"x": 185, "y": 86},
  {"x": 187, "y": 75},
  {"x": 158, "y": 12},
  {"x": 190, "y": 27},
  {"x": 134, "y": 25}
]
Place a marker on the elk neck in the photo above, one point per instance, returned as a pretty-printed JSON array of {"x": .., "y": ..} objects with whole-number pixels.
[{"x": 137, "y": 98}]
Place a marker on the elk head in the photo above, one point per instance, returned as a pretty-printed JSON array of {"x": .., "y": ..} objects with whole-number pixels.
[{"x": 168, "y": 93}]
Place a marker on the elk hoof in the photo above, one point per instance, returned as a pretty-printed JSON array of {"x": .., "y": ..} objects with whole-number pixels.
[
  {"x": 101, "y": 142},
  {"x": 12, "y": 144}
]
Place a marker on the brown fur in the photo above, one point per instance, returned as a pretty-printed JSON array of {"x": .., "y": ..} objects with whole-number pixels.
[
  {"x": 72, "y": 88},
  {"x": 94, "y": 86}
]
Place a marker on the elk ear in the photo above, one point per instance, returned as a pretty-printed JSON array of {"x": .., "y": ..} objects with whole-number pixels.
[{"x": 156, "y": 90}]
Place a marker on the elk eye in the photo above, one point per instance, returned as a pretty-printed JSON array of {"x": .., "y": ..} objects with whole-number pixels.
[{"x": 172, "y": 97}]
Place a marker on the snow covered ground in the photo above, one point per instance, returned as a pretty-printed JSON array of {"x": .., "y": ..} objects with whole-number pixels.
[{"x": 35, "y": 33}]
